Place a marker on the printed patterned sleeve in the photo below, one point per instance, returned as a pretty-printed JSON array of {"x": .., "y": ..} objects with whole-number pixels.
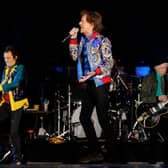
[
  {"x": 19, "y": 75},
  {"x": 73, "y": 49},
  {"x": 106, "y": 52}
]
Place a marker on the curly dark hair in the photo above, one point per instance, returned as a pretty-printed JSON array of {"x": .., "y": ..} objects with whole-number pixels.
[
  {"x": 93, "y": 17},
  {"x": 12, "y": 49}
]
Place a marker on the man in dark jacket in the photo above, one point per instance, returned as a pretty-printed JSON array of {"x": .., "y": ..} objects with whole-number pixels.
[{"x": 155, "y": 90}]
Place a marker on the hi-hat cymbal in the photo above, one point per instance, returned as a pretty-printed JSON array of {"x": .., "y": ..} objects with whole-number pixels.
[{"x": 56, "y": 140}]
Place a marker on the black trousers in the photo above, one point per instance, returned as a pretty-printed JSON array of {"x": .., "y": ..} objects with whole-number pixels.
[
  {"x": 95, "y": 97},
  {"x": 15, "y": 131},
  {"x": 10, "y": 127},
  {"x": 4, "y": 124}
]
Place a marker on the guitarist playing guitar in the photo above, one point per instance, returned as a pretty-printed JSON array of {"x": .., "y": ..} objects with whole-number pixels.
[
  {"x": 154, "y": 95},
  {"x": 155, "y": 90}
]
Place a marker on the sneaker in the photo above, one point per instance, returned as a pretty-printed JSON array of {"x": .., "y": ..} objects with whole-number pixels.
[
  {"x": 92, "y": 158},
  {"x": 6, "y": 156},
  {"x": 18, "y": 163}
]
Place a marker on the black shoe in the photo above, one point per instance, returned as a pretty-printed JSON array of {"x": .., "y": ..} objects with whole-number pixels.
[
  {"x": 92, "y": 158},
  {"x": 6, "y": 157}
]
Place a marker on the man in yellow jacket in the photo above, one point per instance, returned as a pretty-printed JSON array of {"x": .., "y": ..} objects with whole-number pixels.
[{"x": 13, "y": 90}]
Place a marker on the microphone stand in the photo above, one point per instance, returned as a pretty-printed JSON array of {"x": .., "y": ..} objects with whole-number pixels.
[{"x": 69, "y": 111}]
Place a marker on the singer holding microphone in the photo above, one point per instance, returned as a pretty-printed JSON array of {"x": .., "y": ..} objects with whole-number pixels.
[{"x": 93, "y": 53}]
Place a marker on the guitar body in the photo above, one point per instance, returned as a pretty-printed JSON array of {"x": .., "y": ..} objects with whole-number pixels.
[{"x": 146, "y": 117}]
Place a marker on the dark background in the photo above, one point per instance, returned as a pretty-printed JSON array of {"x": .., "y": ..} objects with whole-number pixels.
[{"x": 138, "y": 33}]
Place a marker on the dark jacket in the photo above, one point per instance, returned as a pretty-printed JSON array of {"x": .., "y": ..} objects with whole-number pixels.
[{"x": 149, "y": 86}]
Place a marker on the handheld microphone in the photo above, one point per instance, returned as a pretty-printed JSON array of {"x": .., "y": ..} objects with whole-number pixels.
[{"x": 67, "y": 37}]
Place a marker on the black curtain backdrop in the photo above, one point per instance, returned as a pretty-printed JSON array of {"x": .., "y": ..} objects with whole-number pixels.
[{"x": 134, "y": 29}]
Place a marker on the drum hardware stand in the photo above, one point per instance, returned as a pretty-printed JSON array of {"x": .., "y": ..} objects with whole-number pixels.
[
  {"x": 57, "y": 129},
  {"x": 69, "y": 111},
  {"x": 138, "y": 101},
  {"x": 120, "y": 117},
  {"x": 134, "y": 131},
  {"x": 141, "y": 118},
  {"x": 119, "y": 127},
  {"x": 68, "y": 131},
  {"x": 58, "y": 98},
  {"x": 59, "y": 115},
  {"x": 42, "y": 131},
  {"x": 119, "y": 79}
]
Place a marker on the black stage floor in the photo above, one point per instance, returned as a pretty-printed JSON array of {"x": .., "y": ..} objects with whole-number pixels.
[
  {"x": 103, "y": 165},
  {"x": 41, "y": 153},
  {"x": 71, "y": 151}
]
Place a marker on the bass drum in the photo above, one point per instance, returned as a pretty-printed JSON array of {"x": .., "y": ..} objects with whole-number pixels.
[{"x": 77, "y": 127}]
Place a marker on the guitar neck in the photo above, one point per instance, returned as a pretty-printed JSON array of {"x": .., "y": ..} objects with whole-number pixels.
[{"x": 158, "y": 107}]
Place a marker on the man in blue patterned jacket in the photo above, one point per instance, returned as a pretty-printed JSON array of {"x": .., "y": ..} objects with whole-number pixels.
[{"x": 94, "y": 59}]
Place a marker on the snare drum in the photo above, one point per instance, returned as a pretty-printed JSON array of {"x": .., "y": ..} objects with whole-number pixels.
[{"x": 77, "y": 127}]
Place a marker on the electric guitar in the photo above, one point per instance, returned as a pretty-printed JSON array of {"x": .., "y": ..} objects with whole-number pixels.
[{"x": 148, "y": 114}]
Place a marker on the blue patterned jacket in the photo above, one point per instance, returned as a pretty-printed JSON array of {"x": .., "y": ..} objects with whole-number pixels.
[{"x": 99, "y": 52}]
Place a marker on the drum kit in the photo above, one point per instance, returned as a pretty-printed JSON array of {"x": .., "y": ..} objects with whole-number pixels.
[
  {"x": 68, "y": 124},
  {"x": 124, "y": 98},
  {"x": 119, "y": 111},
  {"x": 77, "y": 127},
  {"x": 120, "y": 104}
]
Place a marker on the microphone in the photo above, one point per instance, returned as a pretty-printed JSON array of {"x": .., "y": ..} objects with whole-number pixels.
[{"x": 67, "y": 37}]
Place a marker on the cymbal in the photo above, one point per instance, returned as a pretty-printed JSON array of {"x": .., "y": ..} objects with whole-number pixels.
[{"x": 56, "y": 140}]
